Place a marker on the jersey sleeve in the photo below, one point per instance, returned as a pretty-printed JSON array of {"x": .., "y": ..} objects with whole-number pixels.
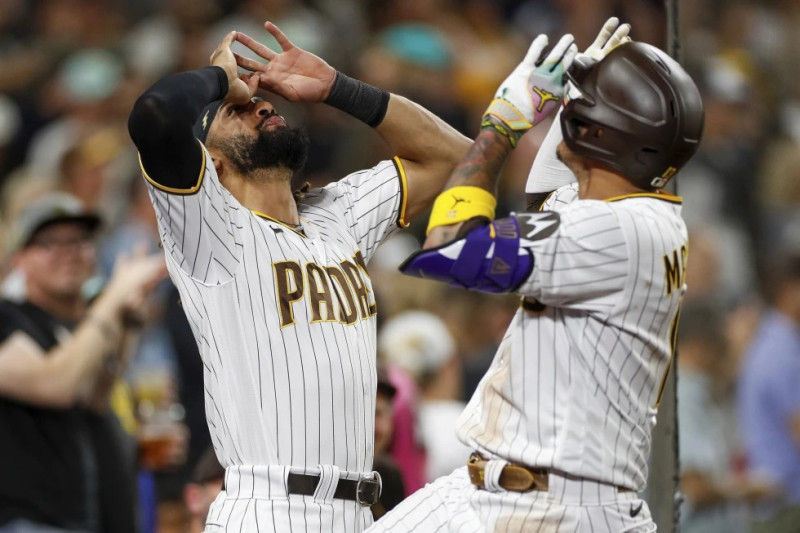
[
  {"x": 373, "y": 203},
  {"x": 198, "y": 226},
  {"x": 584, "y": 263}
]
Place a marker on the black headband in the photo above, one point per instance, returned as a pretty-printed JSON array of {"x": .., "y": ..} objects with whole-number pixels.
[{"x": 203, "y": 123}]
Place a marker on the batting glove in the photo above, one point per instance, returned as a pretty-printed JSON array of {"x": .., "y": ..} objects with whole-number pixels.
[
  {"x": 611, "y": 35},
  {"x": 532, "y": 90}
]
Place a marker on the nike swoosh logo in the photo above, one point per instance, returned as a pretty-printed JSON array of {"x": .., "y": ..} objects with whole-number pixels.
[{"x": 636, "y": 510}]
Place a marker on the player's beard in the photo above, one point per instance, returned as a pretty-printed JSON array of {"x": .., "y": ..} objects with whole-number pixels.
[{"x": 282, "y": 147}]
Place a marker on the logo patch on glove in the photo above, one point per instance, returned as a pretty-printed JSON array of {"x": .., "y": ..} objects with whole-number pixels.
[{"x": 544, "y": 97}]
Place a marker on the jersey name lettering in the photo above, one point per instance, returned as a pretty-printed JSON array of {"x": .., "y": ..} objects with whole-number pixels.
[
  {"x": 675, "y": 270},
  {"x": 333, "y": 293}
]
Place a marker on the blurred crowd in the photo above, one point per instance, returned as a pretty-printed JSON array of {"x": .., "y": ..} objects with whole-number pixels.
[{"x": 70, "y": 71}]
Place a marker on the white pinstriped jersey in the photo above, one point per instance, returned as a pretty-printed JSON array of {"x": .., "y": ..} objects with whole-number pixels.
[
  {"x": 284, "y": 319},
  {"x": 574, "y": 386}
]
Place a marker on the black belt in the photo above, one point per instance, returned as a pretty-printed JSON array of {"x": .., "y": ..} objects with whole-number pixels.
[{"x": 364, "y": 491}]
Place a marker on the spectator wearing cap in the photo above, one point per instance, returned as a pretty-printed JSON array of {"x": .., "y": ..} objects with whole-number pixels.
[
  {"x": 769, "y": 399},
  {"x": 60, "y": 457},
  {"x": 420, "y": 344}
]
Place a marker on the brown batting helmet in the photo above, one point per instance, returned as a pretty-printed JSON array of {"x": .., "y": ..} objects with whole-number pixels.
[{"x": 647, "y": 106}]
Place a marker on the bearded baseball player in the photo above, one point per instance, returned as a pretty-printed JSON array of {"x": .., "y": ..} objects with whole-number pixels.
[
  {"x": 561, "y": 423},
  {"x": 276, "y": 288}
]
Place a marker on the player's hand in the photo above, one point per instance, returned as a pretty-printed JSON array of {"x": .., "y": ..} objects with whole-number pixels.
[
  {"x": 132, "y": 280},
  {"x": 611, "y": 35},
  {"x": 535, "y": 87},
  {"x": 294, "y": 73},
  {"x": 547, "y": 80},
  {"x": 240, "y": 88}
]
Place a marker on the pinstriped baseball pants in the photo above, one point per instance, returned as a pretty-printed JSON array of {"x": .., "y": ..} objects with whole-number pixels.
[
  {"x": 255, "y": 500},
  {"x": 452, "y": 504}
]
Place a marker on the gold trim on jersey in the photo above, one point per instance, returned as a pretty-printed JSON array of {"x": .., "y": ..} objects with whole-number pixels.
[
  {"x": 541, "y": 206},
  {"x": 299, "y": 231},
  {"x": 660, "y": 195},
  {"x": 401, "y": 173},
  {"x": 173, "y": 190}
]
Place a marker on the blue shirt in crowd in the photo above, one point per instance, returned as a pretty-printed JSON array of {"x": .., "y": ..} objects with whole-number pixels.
[{"x": 768, "y": 398}]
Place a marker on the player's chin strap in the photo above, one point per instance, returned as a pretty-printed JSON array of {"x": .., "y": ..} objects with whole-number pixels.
[{"x": 491, "y": 258}]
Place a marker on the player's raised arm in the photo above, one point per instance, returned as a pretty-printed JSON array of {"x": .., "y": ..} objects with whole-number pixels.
[
  {"x": 524, "y": 99},
  {"x": 427, "y": 146},
  {"x": 161, "y": 122}
]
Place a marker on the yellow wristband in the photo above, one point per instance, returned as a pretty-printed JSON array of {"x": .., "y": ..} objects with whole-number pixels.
[
  {"x": 508, "y": 114},
  {"x": 459, "y": 204}
]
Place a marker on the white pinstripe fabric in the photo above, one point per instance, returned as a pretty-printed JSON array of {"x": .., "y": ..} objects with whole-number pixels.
[
  {"x": 493, "y": 470},
  {"x": 328, "y": 481},
  {"x": 287, "y": 382},
  {"x": 255, "y": 500},
  {"x": 452, "y": 504},
  {"x": 573, "y": 387}
]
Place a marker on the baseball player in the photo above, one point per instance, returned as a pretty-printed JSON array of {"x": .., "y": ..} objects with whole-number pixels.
[
  {"x": 560, "y": 425},
  {"x": 276, "y": 289}
]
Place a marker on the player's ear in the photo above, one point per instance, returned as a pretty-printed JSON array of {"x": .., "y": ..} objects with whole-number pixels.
[{"x": 217, "y": 165}]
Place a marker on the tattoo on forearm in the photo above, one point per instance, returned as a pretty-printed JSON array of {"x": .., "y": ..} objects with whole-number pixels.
[
  {"x": 484, "y": 161},
  {"x": 480, "y": 168}
]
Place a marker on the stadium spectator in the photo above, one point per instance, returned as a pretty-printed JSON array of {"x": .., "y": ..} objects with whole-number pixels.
[
  {"x": 59, "y": 359},
  {"x": 420, "y": 344},
  {"x": 716, "y": 492},
  {"x": 769, "y": 399}
]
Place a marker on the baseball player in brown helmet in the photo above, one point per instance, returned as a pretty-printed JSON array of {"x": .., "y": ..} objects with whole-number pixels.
[{"x": 561, "y": 423}]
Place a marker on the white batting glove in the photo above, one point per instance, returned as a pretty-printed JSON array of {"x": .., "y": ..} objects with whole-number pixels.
[
  {"x": 547, "y": 172},
  {"x": 533, "y": 89},
  {"x": 611, "y": 35}
]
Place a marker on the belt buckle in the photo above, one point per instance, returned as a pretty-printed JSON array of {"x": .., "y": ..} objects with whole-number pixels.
[{"x": 368, "y": 489}]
